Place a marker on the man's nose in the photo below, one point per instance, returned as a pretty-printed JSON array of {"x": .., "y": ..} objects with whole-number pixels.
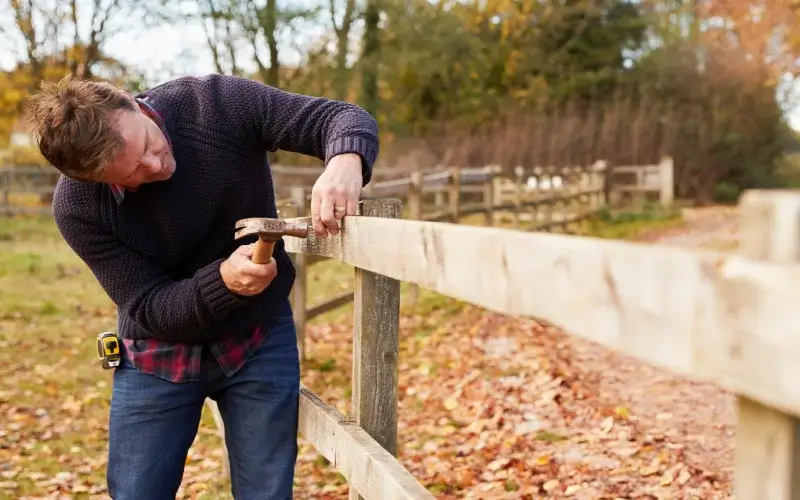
[{"x": 151, "y": 162}]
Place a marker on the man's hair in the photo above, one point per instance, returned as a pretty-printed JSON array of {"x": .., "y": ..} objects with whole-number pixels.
[{"x": 73, "y": 126}]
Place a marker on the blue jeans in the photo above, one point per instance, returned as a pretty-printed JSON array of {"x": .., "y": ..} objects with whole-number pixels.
[{"x": 153, "y": 423}]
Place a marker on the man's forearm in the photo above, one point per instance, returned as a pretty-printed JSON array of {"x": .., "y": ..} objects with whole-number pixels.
[
  {"x": 314, "y": 126},
  {"x": 164, "y": 308},
  {"x": 177, "y": 311}
]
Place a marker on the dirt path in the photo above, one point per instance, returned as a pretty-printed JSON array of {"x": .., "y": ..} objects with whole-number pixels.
[
  {"x": 714, "y": 228},
  {"x": 696, "y": 419}
]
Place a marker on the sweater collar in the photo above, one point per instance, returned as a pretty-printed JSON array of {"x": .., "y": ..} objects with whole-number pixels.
[{"x": 149, "y": 111}]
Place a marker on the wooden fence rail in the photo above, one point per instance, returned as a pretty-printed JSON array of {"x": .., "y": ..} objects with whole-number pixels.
[
  {"x": 467, "y": 191},
  {"x": 553, "y": 199},
  {"x": 729, "y": 319},
  {"x": 28, "y": 189}
]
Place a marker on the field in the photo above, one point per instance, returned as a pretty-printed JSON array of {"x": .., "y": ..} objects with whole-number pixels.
[{"x": 490, "y": 407}]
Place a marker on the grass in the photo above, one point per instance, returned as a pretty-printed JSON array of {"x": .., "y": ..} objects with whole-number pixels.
[
  {"x": 54, "y": 395},
  {"x": 53, "y": 389}
]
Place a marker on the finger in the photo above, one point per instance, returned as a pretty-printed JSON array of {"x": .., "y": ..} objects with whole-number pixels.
[
  {"x": 326, "y": 213},
  {"x": 258, "y": 270},
  {"x": 319, "y": 227},
  {"x": 340, "y": 204},
  {"x": 272, "y": 268},
  {"x": 352, "y": 202},
  {"x": 246, "y": 250}
]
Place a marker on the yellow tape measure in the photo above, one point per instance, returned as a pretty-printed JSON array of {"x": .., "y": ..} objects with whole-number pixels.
[{"x": 108, "y": 350}]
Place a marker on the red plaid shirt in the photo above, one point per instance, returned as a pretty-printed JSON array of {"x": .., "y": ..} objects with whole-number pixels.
[{"x": 181, "y": 362}]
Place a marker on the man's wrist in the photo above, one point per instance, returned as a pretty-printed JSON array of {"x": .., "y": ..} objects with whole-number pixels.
[
  {"x": 225, "y": 274},
  {"x": 345, "y": 161}
]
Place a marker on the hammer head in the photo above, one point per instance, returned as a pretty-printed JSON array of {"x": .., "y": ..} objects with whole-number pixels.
[{"x": 270, "y": 229}]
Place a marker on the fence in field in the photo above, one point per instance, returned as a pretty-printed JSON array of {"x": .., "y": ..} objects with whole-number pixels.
[
  {"x": 27, "y": 190},
  {"x": 538, "y": 199},
  {"x": 729, "y": 319}
]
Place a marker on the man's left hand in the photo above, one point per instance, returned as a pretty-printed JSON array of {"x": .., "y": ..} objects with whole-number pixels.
[{"x": 336, "y": 193}]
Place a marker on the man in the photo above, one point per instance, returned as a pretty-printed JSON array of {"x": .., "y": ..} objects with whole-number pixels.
[{"x": 152, "y": 187}]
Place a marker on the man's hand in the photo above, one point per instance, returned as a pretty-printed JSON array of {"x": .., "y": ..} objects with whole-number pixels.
[
  {"x": 242, "y": 276},
  {"x": 336, "y": 193}
]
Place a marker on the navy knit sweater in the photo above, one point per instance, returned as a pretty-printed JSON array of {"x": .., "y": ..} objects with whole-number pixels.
[{"x": 157, "y": 253}]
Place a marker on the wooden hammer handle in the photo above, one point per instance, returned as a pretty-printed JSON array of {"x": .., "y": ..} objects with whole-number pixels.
[{"x": 263, "y": 251}]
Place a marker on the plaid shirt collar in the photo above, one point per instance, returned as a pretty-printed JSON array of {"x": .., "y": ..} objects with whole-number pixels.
[{"x": 150, "y": 112}]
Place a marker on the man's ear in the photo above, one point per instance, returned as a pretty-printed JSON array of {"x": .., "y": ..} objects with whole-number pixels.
[
  {"x": 128, "y": 96},
  {"x": 132, "y": 100}
]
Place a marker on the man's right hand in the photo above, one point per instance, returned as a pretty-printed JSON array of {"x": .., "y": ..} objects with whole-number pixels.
[{"x": 242, "y": 276}]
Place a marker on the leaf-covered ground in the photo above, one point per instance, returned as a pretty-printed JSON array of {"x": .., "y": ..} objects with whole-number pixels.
[{"x": 490, "y": 407}]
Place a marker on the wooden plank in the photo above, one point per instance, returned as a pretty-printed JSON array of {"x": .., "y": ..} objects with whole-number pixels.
[
  {"x": 376, "y": 332},
  {"x": 361, "y": 460},
  {"x": 706, "y": 314},
  {"x": 329, "y": 305},
  {"x": 666, "y": 178},
  {"x": 438, "y": 216},
  {"x": 632, "y": 188},
  {"x": 633, "y": 169},
  {"x": 220, "y": 425},
  {"x": 768, "y": 441},
  {"x": 298, "y": 293},
  {"x": 414, "y": 202},
  {"x": 475, "y": 175}
]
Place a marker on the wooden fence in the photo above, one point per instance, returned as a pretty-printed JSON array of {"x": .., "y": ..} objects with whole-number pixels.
[
  {"x": 28, "y": 190},
  {"x": 729, "y": 319},
  {"x": 555, "y": 199},
  {"x": 538, "y": 199}
]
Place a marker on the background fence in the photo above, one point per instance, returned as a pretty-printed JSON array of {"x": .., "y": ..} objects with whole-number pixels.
[
  {"x": 446, "y": 194},
  {"x": 536, "y": 199}
]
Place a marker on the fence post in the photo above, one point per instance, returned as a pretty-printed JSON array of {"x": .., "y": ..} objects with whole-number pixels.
[
  {"x": 301, "y": 277},
  {"x": 376, "y": 345},
  {"x": 488, "y": 194},
  {"x": 6, "y": 186},
  {"x": 220, "y": 426},
  {"x": 414, "y": 213},
  {"x": 599, "y": 181},
  {"x": 519, "y": 174},
  {"x": 611, "y": 194},
  {"x": 454, "y": 197},
  {"x": 666, "y": 168},
  {"x": 767, "y": 440}
]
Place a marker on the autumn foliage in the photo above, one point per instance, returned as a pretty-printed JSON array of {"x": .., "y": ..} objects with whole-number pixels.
[{"x": 501, "y": 81}]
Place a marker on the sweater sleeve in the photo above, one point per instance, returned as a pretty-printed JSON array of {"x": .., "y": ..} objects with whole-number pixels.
[
  {"x": 172, "y": 310},
  {"x": 314, "y": 126}
]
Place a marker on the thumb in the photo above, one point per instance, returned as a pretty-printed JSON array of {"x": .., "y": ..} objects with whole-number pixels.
[{"x": 246, "y": 250}]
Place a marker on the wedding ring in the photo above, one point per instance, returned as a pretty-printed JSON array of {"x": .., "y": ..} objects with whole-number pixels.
[{"x": 339, "y": 209}]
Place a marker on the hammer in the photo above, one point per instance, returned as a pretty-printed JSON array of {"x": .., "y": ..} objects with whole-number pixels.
[{"x": 269, "y": 231}]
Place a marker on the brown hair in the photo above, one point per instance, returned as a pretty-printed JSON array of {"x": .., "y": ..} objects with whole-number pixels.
[{"x": 73, "y": 126}]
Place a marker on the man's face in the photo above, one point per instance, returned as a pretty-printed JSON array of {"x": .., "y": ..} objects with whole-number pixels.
[{"x": 146, "y": 156}]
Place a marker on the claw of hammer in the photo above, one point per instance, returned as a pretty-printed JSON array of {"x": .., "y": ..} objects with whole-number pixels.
[{"x": 269, "y": 231}]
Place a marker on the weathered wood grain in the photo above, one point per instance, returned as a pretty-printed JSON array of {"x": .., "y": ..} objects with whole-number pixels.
[
  {"x": 376, "y": 332},
  {"x": 768, "y": 441},
  {"x": 704, "y": 314},
  {"x": 329, "y": 305},
  {"x": 369, "y": 468}
]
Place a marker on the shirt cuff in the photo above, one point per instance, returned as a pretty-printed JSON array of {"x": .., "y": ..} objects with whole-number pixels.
[
  {"x": 215, "y": 294},
  {"x": 366, "y": 149}
]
